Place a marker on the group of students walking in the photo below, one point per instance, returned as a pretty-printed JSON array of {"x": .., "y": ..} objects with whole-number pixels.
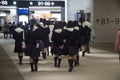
[
  {"x": 7, "y": 29},
  {"x": 65, "y": 39}
]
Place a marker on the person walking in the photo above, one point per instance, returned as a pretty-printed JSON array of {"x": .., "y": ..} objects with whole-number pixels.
[
  {"x": 92, "y": 34},
  {"x": 45, "y": 30},
  {"x": 5, "y": 30},
  {"x": 84, "y": 37},
  {"x": 32, "y": 40},
  {"x": 71, "y": 39},
  {"x": 18, "y": 37},
  {"x": 57, "y": 39},
  {"x": 76, "y": 27}
]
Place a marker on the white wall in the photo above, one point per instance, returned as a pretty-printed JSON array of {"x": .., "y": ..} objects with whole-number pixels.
[{"x": 76, "y": 5}]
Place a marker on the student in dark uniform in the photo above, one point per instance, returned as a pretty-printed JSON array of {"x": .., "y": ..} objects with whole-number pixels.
[
  {"x": 71, "y": 40},
  {"x": 45, "y": 30},
  {"x": 76, "y": 27},
  {"x": 92, "y": 34},
  {"x": 84, "y": 37},
  {"x": 57, "y": 39},
  {"x": 33, "y": 36},
  {"x": 18, "y": 37}
]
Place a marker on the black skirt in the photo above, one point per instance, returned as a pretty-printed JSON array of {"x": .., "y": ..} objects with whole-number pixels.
[
  {"x": 46, "y": 43},
  {"x": 32, "y": 51},
  {"x": 65, "y": 50},
  {"x": 72, "y": 51},
  {"x": 56, "y": 50},
  {"x": 18, "y": 47}
]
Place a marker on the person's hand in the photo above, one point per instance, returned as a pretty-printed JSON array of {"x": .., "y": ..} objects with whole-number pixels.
[
  {"x": 61, "y": 47},
  {"x": 37, "y": 45},
  {"x": 23, "y": 45}
]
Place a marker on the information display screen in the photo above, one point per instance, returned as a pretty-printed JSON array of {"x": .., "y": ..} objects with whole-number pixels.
[{"x": 23, "y": 11}]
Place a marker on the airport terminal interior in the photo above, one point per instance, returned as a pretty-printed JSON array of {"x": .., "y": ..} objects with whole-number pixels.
[{"x": 101, "y": 63}]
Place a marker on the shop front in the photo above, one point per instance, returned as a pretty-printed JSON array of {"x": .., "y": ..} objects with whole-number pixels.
[
  {"x": 8, "y": 11},
  {"x": 21, "y": 10}
]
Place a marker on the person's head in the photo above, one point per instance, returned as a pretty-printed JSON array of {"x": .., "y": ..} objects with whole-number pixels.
[
  {"x": 18, "y": 25},
  {"x": 57, "y": 25},
  {"x": 33, "y": 22},
  {"x": 64, "y": 23},
  {"x": 38, "y": 25},
  {"x": 70, "y": 24},
  {"x": 75, "y": 23},
  {"x": 47, "y": 22}
]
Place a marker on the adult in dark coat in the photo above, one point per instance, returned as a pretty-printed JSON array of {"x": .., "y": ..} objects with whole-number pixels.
[
  {"x": 18, "y": 37},
  {"x": 5, "y": 30},
  {"x": 84, "y": 37},
  {"x": 33, "y": 36},
  {"x": 57, "y": 39},
  {"x": 71, "y": 39}
]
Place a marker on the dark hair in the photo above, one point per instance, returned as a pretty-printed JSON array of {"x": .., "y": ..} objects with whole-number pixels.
[
  {"x": 18, "y": 25},
  {"x": 57, "y": 25},
  {"x": 33, "y": 21},
  {"x": 75, "y": 23},
  {"x": 47, "y": 22},
  {"x": 70, "y": 24},
  {"x": 64, "y": 23},
  {"x": 38, "y": 25}
]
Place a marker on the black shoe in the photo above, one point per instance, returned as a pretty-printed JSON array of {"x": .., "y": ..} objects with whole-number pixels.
[
  {"x": 88, "y": 52},
  {"x": 59, "y": 62},
  {"x": 36, "y": 68},
  {"x": 55, "y": 61},
  {"x": 31, "y": 65},
  {"x": 83, "y": 54},
  {"x": 20, "y": 60},
  {"x": 36, "y": 64},
  {"x": 70, "y": 65},
  {"x": 70, "y": 69},
  {"x": 55, "y": 65},
  {"x": 44, "y": 55},
  {"x": 75, "y": 63}
]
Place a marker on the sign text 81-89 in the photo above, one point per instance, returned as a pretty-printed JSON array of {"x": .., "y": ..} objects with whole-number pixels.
[{"x": 104, "y": 21}]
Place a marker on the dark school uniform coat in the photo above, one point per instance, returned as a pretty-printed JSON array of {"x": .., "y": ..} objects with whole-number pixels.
[
  {"x": 84, "y": 35},
  {"x": 18, "y": 37},
  {"x": 70, "y": 35},
  {"x": 45, "y": 30},
  {"x": 32, "y": 38},
  {"x": 57, "y": 39}
]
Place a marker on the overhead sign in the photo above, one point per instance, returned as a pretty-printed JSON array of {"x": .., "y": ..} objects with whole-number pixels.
[{"x": 46, "y": 3}]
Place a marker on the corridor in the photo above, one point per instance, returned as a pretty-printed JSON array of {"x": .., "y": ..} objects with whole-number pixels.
[{"x": 101, "y": 64}]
